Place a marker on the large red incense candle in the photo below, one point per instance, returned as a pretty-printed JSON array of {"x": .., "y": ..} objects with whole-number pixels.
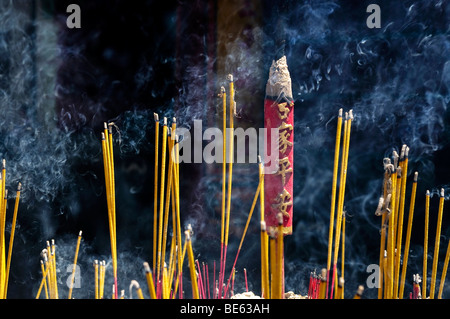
[{"x": 279, "y": 114}]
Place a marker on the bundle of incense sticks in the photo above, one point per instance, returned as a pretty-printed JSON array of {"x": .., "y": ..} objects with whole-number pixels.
[
  {"x": 108, "y": 164},
  {"x": 49, "y": 269},
  {"x": 6, "y": 254}
]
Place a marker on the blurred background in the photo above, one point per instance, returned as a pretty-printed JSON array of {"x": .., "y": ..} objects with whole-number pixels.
[{"x": 130, "y": 59}]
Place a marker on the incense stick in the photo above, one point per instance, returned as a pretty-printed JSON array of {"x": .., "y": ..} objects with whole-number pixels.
[
  {"x": 408, "y": 234},
  {"x": 74, "y": 265},
  {"x": 155, "y": 191},
  {"x": 436, "y": 244},
  {"x": 333, "y": 194},
  {"x": 425, "y": 245}
]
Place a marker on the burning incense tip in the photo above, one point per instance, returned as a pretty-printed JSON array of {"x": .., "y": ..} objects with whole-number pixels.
[
  {"x": 134, "y": 283},
  {"x": 280, "y": 218},
  {"x": 442, "y": 192},
  {"x": 428, "y": 193},
  {"x": 105, "y": 125},
  {"x": 3, "y": 163},
  {"x": 19, "y": 187},
  {"x": 340, "y": 112},
  {"x": 230, "y": 77},
  {"x": 147, "y": 267},
  {"x": 174, "y": 119},
  {"x": 350, "y": 114},
  {"x": 263, "y": 226},
  {"x": 360, "y": 290},
  {"x": 416, "y": 174},
  {"x": 165, "y": 121},
  {"x": 156, "y": 117},
  {"x": 403, "y": 152},
  {"x": 378, "y": 212},
  {"x": 259, "y": 159}
]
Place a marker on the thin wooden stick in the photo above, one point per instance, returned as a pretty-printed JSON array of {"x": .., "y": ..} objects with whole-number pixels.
[
  {"x": 11, "y": 236},
  {"x": 401, "y": 210},
  {"x": 444, "y": 271},
  {"x": 223, "y": 94},
  {"x": 150, "y": 283},
  {"x": 333, "y": 195},
  {"x": 96, "y": 279},
  {"x": 136, "y": 285},
  {"x": 230, "y": 174},
  {"x": 155, "y": 191},
  {"x": 408, "y": 235},
  {"x": 161, "y": 198},
  {"x": 436, "y": 244},
  {"x": 195, "y": 291},
  {"x": 425, "y": 245},
  {"x": 74, "y": 265}
]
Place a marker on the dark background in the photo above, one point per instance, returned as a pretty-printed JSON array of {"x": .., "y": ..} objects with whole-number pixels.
[{"x": 130, "y": 59}]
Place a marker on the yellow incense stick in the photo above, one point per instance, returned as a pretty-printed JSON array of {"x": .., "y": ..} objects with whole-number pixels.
[
  {"x": 166, "y": 207},
  {"x": 74, "y": 265},
  {"x": 436, "y": 244},
  {"x": 333, "y": 193},
  {"x": 401, "y": 209},
  {"x": 96, "y": 278},
  {"x": 425, "y": 245},
  {"x": 265, "y": 290},
  {"x": 408, "y": 235},
  {"x": 155, "y": 190},
  {"x": 43, "y": 281},
  {"x": 278, "y": 279},
  {"x": 223, "y": 94},
  {"x": 190, "y": 252},
  {"x": 230, "y": 170},
  {"x": 11, "y": 237},
  {"x": 136, "y": 285},
  {"x": 444, "y": 271},
  {"x": 150, "y": 283},
  {"x": 161, "y": 198}
]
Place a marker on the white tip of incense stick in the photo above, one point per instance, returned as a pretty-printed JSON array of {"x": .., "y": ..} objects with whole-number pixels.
[
  {"x": 3, "y": 163},
  {"x": 323, "y": 273},
  {"x": 340, "y": 113},
  {"x": 346, "y": 116},
  {"x": 380, "y": 206},
  {"x": 360, "y": 290},
  {"x": 350, "y": 114},
  {"x": 96, "y": 262},
  {"x": 187, "y": 234},
  {"x": 44, "y": 253},
  {"x": 406, "y": 151},
  {"x": 403, "y": 151},
  {"x": 280, "y": 218},
  {"x": 174, "y": 120},
  {"x": 19, "y": 187},
  {"x": 103, "y": 136},
  {"x": 134, "y": 283},
  {"x": 416, "y": 174},
  {"x": 442, "y": 192},
  {"x": 156, "y": 117},
  {"x": 428, "y": 193},
  {"x": 263, "y": 225},
  {"x": 341, "y": 282},
  {"x": 147, "y": 267},
  {"x": 230, "y": 77},
  {"x": 105, "y": 125},
  {"x": 222, "y": 89},
  {"x": 165, "y": 121},
  {"x": 79, "y": 234}
]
